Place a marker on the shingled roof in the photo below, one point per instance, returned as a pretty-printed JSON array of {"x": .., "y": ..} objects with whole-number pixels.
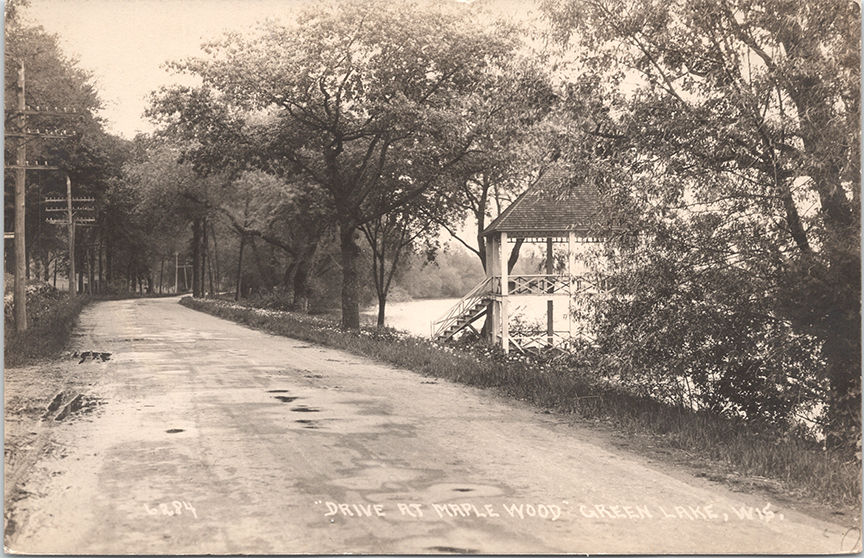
[{"x": 554, "y": 205}]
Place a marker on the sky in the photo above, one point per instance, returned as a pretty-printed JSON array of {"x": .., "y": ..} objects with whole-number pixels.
[{"x": 124, "y": 43}]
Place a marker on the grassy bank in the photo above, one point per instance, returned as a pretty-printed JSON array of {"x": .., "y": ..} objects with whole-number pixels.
[
  {"x": 50, "y": 321},
  {"x": 572, "y": 387}
]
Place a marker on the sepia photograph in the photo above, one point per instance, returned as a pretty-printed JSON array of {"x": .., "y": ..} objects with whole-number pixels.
[{"x": 432, "y": 277}]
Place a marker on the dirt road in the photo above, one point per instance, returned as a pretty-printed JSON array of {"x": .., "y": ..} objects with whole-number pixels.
[{"x": 200, "y": 436}]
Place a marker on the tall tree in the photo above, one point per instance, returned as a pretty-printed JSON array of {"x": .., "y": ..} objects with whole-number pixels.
[
  {"x": 260, "y": 198},
  {"x": 392, "y": 234},
  {"x": 168, "y": 197},
  {"x": 739, "y": 128},
  {"x": 289, "y": 214},
  {"x": 360, "y": 91}
]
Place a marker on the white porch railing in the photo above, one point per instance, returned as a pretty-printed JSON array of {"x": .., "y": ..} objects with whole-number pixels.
[
  {"x": 562, "y": 340},
  {"x": 538, "y": 284}
]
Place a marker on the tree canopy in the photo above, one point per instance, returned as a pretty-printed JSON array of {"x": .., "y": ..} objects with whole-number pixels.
[
  {"x": 735, "y": 142},
  {"x": 360, "y": 92}
]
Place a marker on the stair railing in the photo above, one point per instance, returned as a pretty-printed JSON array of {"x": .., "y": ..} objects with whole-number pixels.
[{"x": 468, "y": 301}]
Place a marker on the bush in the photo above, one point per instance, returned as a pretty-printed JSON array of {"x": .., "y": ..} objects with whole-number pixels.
[
  {"x": 278, "y": 298},
  {"x": 51, "y": 317}
]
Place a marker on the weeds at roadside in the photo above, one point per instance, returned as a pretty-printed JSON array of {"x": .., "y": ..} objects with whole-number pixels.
[
  {"x": 50, "y": 319},
  {"x": 574, "y": 387}
]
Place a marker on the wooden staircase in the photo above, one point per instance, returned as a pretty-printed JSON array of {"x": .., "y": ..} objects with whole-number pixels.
[{"x": 472, "y": 307}]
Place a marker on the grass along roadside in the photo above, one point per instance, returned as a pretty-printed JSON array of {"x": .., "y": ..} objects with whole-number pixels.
[
  {"x": 772, "y": 462},
  {"x": 51, "y": 317}
]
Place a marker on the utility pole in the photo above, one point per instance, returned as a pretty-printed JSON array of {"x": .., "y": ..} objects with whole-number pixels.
[
  {"x": 20, "y": 294},
  {"x": 21, "y": 166},
  {"x": 72, "y": 283},
  {"x": 71, "y": 221}
]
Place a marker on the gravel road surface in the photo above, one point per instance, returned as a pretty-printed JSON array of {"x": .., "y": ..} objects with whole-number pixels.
[{"x": 198, "y": 436}]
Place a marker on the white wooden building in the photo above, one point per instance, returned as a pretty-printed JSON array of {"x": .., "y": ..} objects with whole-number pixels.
[{"x": 562, "y": 216}]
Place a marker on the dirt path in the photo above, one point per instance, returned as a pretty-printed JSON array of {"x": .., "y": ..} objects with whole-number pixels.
[{"x": 201, "y": 436}]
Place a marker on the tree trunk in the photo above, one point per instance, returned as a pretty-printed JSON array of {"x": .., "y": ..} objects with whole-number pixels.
[
  {"x": 202, "y": 274},
  {"x": 205, "y": 255},
  {"x": 301, "y": 286},
  {"x": 514, "y": 254},
  {"x": 843, "y": 355},
  {"x": 378, "y": 265},
  {"x": 109, "y": 276},
  {"x": 91, "y": 270},
  {"x": 80, "y": 274},
  {"x": 196, "y": 254},
  {"x": 265, "y": 270},
  {"x": 288, "y": 274},
  {"x": 837, "y": 306},
  {"x": 208, "y": 260},
  {"x": 382, "y": 302},
  {"x": 101, "y": 269},
  {"x": 350, "y": 278},
  {"x": 215, "y": 259},
  {"x": 130, "y": 282},
  {"x": 239, "y": 268}
]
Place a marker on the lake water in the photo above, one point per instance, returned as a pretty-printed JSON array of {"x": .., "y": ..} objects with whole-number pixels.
[{"x": 415, "y": 316}]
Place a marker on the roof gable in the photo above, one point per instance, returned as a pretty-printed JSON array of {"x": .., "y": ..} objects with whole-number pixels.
[{"x": 553, "y": 204}]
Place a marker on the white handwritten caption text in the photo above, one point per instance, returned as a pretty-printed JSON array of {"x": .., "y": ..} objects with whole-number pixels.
[
  {"x": 175, "y": 508},
  {"x": 553, "y": 512}
]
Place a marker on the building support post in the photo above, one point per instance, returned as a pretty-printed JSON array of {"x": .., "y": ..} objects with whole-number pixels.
[
  {"x": 571, "y": 269},
  {"x": 502, "y": 261},
  {"x": 550, "y": 315},
  {"x": 491, "y": 308}
]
